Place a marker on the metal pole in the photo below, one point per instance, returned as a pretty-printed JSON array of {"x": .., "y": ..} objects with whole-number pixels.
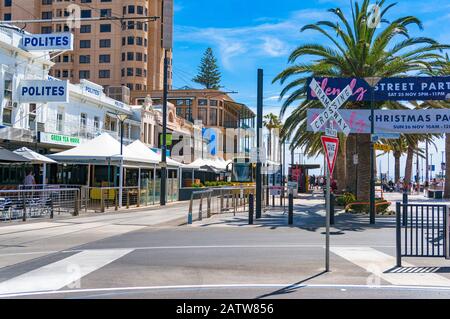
[
  {"x": 162, "y": 198},
  {"x": 372, "y": 160},
  {"x": 259, "y": 120},
  {"x": 327, "y": 240},
  {"x": 426, "y": 163},
  {"x": 398, "y": 235}
]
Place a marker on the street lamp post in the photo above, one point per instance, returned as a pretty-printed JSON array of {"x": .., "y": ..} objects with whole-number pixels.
[{"x": 121, "y": 117}]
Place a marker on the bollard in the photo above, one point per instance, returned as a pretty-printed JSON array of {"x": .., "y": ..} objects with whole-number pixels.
[
  {"x": 331, "y": 209},
  {"x": 102, "y": 201},
  {"x": 76, "y": 207},
  {"x": 190, "y": 210},
  {"x": 200, "y": 208},
  {"x": 251, "y": 208},
  {"x": 398, "y": 240},
  {"x": 405, "y": 208},
  {"x": 291, "y": 209},
  {"x": 24, "y": 216},
  {"x": 273, "y": 200}
]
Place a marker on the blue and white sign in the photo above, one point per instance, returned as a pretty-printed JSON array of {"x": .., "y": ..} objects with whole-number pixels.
[
  {"x": 43, "y": 91},
  {"x": 392, "y": 121},
  {"x": 47, "y": 42},
  {"x": 386, "y": 136}
]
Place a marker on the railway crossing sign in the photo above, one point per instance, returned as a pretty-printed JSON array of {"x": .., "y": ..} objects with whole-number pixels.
[
  {"x": 331, "y": 146},
  {"x": 331, "y": 107}
]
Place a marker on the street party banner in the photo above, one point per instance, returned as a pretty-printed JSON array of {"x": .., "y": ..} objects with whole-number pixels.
[
  {"x": 392, "y": 121},
  {"x": 387, "y": 89}
]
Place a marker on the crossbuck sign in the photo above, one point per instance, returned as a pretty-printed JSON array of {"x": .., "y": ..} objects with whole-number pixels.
[{"x": 331, "y": 108}]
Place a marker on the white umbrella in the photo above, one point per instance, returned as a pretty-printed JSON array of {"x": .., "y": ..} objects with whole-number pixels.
[{"x": 34, "y": 157}]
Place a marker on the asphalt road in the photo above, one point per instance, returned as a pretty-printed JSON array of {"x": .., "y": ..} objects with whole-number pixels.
[{"x": 223, "y": 257}]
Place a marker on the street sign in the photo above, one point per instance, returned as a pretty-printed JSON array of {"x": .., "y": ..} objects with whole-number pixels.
[
  {"x": 331, "y": 107},
  {"x": 275, "y": 190},
  {"x": 382, "y": 147},
  {"x": 330, "y": 145},
  {"x": 355, "y": 159},
  {"x": 386, "y": 136}
]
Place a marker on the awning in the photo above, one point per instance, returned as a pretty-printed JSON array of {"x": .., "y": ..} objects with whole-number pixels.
[
  {"x": 34, "y": 157},
  {"x": 137, "y": 147},
  {"x": 8, "y": 156}
]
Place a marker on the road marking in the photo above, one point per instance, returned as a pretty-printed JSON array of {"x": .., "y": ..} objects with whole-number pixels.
[
  {"x": 378, "y": 263},
  {"x": 228, "y": 286},
  {"x": 59, "y": 274}
]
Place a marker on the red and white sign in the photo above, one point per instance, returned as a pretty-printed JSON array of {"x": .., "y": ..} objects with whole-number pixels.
[{"x": 331, "y": 146}]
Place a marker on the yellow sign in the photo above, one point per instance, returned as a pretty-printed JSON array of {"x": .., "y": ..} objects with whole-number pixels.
[{"x": 382, "y": 147}]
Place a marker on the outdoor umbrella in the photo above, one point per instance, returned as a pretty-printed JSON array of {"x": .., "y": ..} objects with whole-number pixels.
[
  {"x": 8, "y": 156},
  {"x": 35, "y": 158}
]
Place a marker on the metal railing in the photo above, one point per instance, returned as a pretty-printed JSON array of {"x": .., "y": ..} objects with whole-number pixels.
[
  {"x": 222, "y": 200},
  {"x": 38, "y": 203},
  {"x": 421, "y": 230}
]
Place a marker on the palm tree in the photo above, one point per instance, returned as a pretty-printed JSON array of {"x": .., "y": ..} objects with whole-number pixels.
[
  {"x": 271, "y": 122},
  {"x": 357, "y": 50}
]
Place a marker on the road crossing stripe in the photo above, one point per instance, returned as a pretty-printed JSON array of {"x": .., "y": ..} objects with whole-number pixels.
[
  {"x": 379, "y": 263},
  {"x": 62, "y": 273}
]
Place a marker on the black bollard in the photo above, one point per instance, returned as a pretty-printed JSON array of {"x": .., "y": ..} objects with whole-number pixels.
[
  {"x": 251, "y": 208},
  {"x": 331, "y": 209},
  {"x": 291, "y": 209}
]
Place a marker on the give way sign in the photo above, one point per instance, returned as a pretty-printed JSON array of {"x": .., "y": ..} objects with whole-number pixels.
[{"x": 331, "y": 146}]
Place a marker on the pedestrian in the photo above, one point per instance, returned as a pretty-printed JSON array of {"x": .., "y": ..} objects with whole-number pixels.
[{"x": 29, "y": 179}]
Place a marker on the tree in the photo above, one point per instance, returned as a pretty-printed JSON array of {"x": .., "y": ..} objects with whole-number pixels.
[
  {"x": 357, "y": 50},
  {"x": 208, "y": 71},
  {"x": 271, "y": 122}
]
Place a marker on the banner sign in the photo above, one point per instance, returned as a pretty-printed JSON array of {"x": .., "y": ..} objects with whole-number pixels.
[
  {"x": 43, "y": 91},
  {"x": 387, "y": 89},
  {"x": 47, "y": 42},
  {"x": 393, "y": 121},
  {"x": 59, "y": 139}
]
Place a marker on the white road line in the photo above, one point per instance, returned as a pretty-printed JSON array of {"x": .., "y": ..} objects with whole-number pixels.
[
  {"x": 378, "y": 263},
  {"x": 226, "y": 286},
  {"x": 59, "y": 274}
]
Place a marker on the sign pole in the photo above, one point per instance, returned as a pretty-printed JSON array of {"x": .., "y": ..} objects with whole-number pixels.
[{"x": 327, "y": 224}]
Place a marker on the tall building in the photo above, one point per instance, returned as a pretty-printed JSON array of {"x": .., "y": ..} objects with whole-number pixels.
[{"x": 113, "y": 53}]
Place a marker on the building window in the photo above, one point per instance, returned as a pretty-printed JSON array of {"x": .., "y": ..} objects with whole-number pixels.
[
  {"x": 7, "y": 17},
  {"x": 84, "y": 59},
  {"x": 105, "y": 12},
  {"x": 85, "y": 74},
  {"x": 46, "y": 30},
  {"x": 104, "y": 74},
  {"x": 7, "y": 116},
  {"x": 139, "y": 40},
  {"x": 131, "y": 9},
  {"x": 105, "y": 43},
  {"x": 180, "y": 102},
  {"x": 85, "y": 44},
  {"x": 213, "y": 117},
  {"x": 138, "y": 56},
  {"x": 32, "y": 117},
  {"x": 213, "y": 102},
  {"x": 60, "y": 120},
  {"x": 104, "y": 58},
  {"x": 85, "y": 28},
  {"x": 105, "y": 28},
  {"x": 96, "y": 122},
  {"x": 46, "y": 15},
  {"x": 202, "y": 102},
  {"x": 86, "y": 14},
  {"x": 65, "y": 73},
  {"x": 8, "y": 3},
  {"x": 202, "y": 115},
  {"x": 138, "y": 72},
  {"x": 129, "y": 71},
  {"x": 130, "y": 56},
  {"x": 130, "y": 41},
  {"x": 83, "y": 120}
]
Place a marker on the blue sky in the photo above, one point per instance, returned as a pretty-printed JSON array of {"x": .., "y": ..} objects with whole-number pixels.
[{"x": 250, "y": 34}]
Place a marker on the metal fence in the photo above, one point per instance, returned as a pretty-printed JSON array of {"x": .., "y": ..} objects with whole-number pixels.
[
  {"x": 212, "y": 201},
  {"x": 38, "y": 203},
  {"x": 421, "y": 230}
]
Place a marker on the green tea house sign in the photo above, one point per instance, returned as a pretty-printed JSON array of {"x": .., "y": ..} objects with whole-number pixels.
[{"x": 59, "y": 139}]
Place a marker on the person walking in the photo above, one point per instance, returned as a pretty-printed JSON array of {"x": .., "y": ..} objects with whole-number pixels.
[{"x": 29, "y": 179}]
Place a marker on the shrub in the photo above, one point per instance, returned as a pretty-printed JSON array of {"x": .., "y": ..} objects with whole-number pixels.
[
  {"x": 381, "y": 207},
  {"x": 344, "y": 200}
]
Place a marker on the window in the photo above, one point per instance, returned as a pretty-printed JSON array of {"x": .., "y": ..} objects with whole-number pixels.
[
  {"x": 139, "y": 40},
  {"x": 124, "y": 56},
  {"x": 44, "y": 2},
  {"x": 60, "y": 120},
  {"x": 202, "y": 115},
  {"x": 104, "y": 74},
  {"x": 188, "y": 102},
  {"x": 46, "y": 15},
  {"x": 180, "y": 102},
  {"x": 130, "y": 41},
  {"x": 129, "y": 71},
  {"x": 130, "y": 86},
  {"x": 46, "y": 30},
  {"x": 104, "y": 58},
  {"x": 83, "y": 120},
  {"x": 202, "y": 102},
  {"x": 84, "y": 74},
  {"x": 105, "y": 43},
  {"x": 85, "y": 59},
  {"x": 32, "y": 117},
  {"x": 130, "y": 56},
  {"x": 105, "y": 12},
  {"x": 8, "y": 3},
  {"x": 138, "y": 56},
  {"x": 85, "y": 44},
  {"x": 105, "y": 28},
  {"x": 130, "y": 25},
  {"x": 7, "y": 17},
  {"x": 212, "y": 116},
  {"x": 86, "y": 14},
  {"x": 138, "y": 72},
  {"x": 7, "y": 116},
  {"x": 140, "y": 10},
  {"x": 96, "y": 122},
  {"x": 66, "y": 59},
  {"x": 65, "y": 73},
  {"x": 131, "y": 9},
  {"x": 124, "y": 41},
  {"x": 213, "y": 102},
  {"x": 85, "y": 28}
]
